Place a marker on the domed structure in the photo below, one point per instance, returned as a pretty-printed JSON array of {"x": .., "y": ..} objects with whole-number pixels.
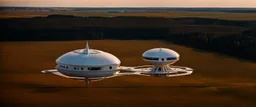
[
  {"x": 88, "y": 62},
  {"x": 161, "y": 56},
  {"x": 93, "y": 58}
]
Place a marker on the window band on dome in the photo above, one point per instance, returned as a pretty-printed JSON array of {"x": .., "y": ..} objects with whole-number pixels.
[
  {"x": 94, "y": 68},
  {"x": 151, "y": 58},
  {"x": 171, "y": 58}
]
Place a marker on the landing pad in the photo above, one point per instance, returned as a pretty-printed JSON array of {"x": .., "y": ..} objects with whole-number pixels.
[{"x": 146, "y": 71}]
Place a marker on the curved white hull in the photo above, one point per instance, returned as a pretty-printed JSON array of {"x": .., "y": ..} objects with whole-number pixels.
[{"x": 88, "y": 74}]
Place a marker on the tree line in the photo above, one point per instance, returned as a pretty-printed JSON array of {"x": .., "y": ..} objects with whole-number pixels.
[{"x": 236, "y": 38}]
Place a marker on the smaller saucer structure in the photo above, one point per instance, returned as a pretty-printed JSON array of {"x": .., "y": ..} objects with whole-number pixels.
[
  {"x": 161, "y": 60},
  {"x": 160, "y": 56}
]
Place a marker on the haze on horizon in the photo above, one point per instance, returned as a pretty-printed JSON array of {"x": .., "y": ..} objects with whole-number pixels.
[{"x": 130, "y": 3}]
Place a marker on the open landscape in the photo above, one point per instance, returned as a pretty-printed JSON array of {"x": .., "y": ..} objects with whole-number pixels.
[
  {"x": 218, "y": 80},
  {"x": 139, "y": 12},
  {"x": 209, "y": 34},
  {"x": 218, "y": 43}
]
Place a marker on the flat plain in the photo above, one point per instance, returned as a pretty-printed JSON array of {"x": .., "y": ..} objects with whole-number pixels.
[
  {"x": 167, "y": 14},
  {"x": 218, "y": 80}
]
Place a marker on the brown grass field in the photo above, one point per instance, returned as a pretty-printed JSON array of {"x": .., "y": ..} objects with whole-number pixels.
[
  {"x": 168, "y": 14},
  {"x": 217, "y": 80}
]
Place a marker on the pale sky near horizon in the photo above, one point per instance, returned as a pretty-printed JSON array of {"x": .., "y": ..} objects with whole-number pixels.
[{"x": 130, "y": 3}]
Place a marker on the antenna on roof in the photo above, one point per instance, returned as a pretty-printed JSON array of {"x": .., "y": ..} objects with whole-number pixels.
[{"x": 86, "y": 51}]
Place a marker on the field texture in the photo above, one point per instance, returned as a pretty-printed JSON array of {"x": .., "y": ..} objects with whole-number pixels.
[{"x": 217, "y": 80}]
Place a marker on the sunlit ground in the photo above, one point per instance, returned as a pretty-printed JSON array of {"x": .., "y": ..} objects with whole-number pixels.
[{"x": 218, "y": 80}]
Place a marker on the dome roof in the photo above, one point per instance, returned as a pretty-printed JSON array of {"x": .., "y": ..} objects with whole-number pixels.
[
  {"x": 160, "y": 53},
  {"x": 93, "y": 58},
  {"x": 86, "y": 57}
]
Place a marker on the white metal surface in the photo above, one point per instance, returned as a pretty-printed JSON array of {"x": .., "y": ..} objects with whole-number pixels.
[
  {"x": 92, "y": 58},
  {"x": 160, "y": 53}
]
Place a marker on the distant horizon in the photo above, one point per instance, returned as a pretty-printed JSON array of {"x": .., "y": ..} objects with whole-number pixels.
[
  {"x": 122, "y": 7},
  {"x": 131, "y": 3}
]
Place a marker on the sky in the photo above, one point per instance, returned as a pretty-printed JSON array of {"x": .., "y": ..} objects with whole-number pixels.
[{"x": 130, "y": 3}]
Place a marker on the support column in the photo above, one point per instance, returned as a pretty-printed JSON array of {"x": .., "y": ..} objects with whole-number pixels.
[
  {"x": 164, "y": 68},
  {"x": 86, "y": 80}
]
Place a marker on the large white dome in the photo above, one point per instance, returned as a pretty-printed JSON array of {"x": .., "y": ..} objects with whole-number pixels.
[
  {"x": 92, "y": 57},
  {"x": 161, "y": 53}
]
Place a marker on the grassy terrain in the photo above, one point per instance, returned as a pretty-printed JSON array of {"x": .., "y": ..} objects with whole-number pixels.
[
  {"x": 168, "y": 14},
  {"x": 217, "y": 80}
]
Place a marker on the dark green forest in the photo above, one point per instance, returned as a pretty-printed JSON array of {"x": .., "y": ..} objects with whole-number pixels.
[{"x": 235, "y": 38}]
